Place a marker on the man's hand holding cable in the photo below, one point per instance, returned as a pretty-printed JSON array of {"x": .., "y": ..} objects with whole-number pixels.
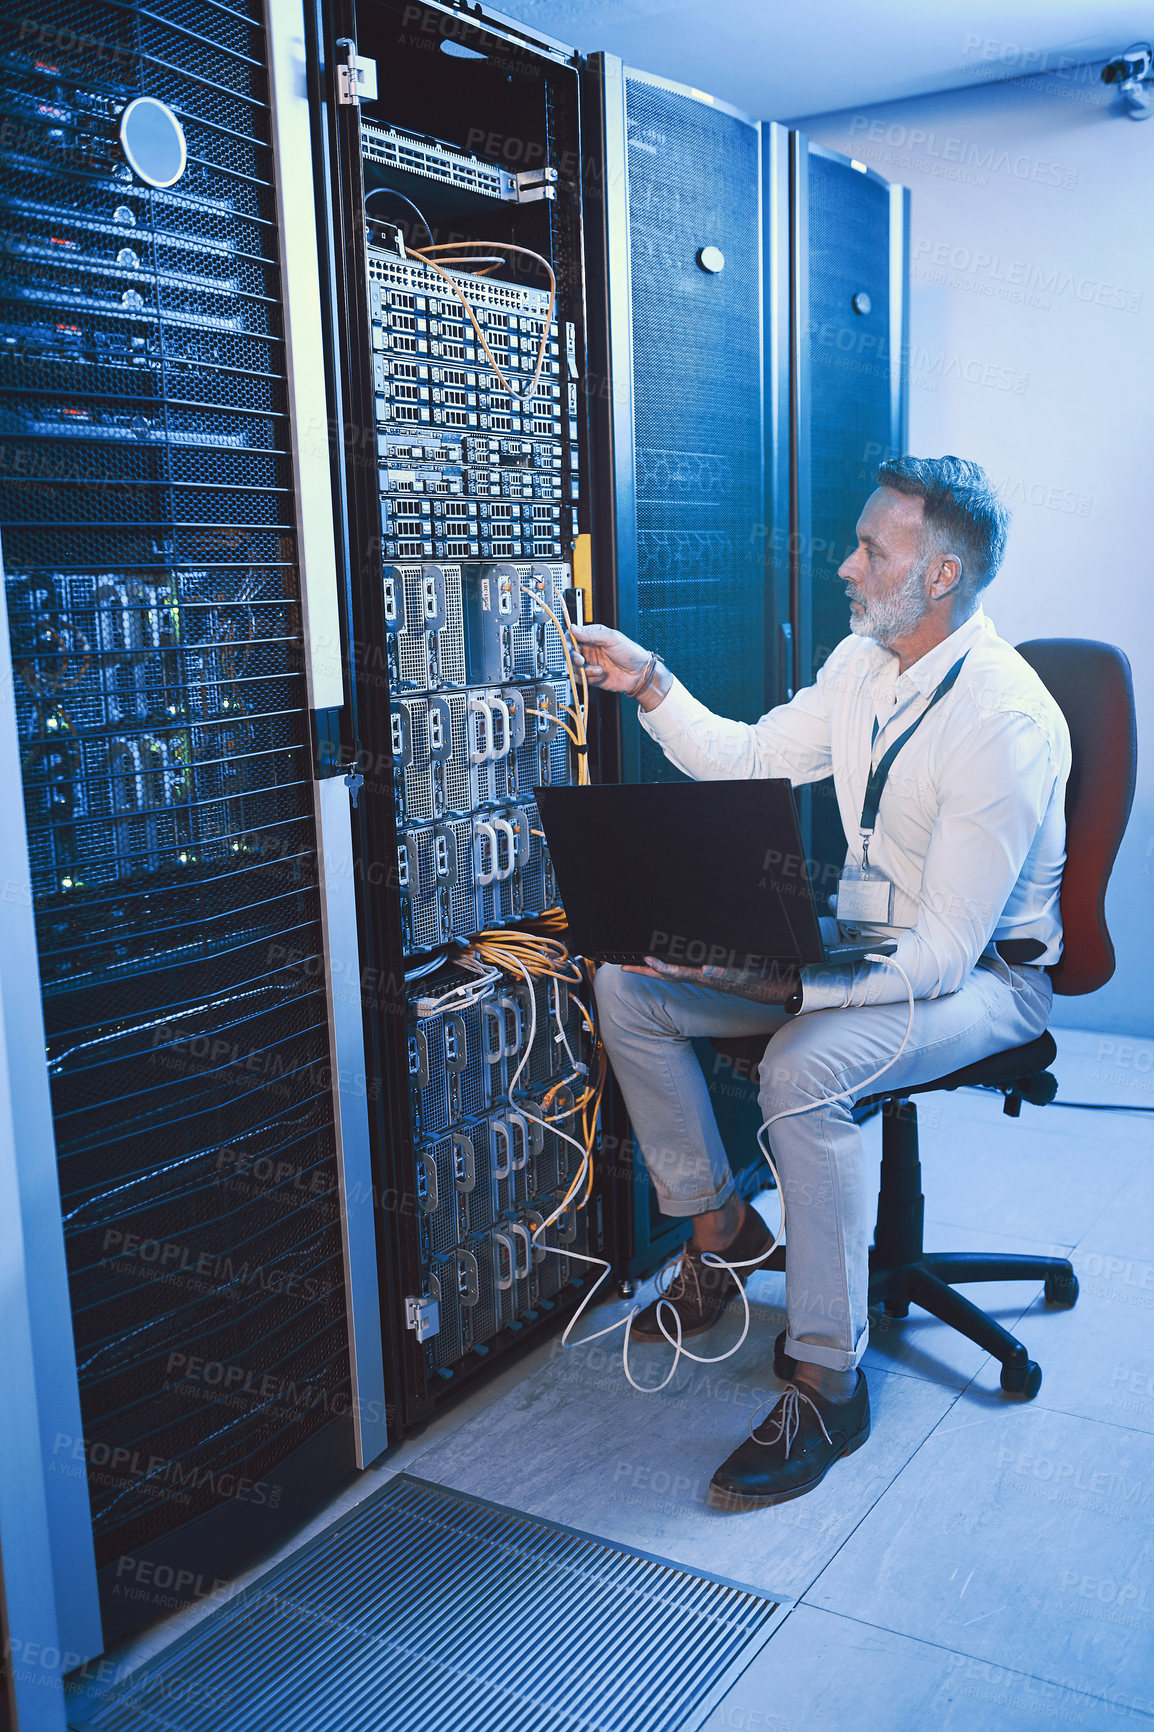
[
  {"x": 779, "y": 986},
  {"x": 614, "y": 663}
]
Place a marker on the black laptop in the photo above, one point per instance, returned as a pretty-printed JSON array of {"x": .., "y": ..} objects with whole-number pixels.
[{"x": 694, "y": 873}]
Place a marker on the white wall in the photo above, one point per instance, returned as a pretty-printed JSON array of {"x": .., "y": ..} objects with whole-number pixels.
[{"x": 1031, "y": 330}]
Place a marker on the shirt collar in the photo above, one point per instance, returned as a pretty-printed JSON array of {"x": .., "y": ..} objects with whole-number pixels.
[{"x": 926, "y": 675}]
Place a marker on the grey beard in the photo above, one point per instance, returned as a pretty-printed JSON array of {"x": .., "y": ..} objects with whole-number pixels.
[{"x": 890, "y": 617}]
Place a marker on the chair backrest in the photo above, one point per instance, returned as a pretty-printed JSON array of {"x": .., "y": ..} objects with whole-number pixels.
[{"x": 1091, "y": 684}]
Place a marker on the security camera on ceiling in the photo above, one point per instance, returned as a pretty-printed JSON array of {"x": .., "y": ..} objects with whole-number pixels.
[{"x": 1133, "y": 73}]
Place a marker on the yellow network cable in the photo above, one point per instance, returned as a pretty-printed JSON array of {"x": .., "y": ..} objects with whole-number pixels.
[
  {"x": 453, "y": 247},
  {"x": 540, "y": 954},
  {"x": 580, "y": 707}
]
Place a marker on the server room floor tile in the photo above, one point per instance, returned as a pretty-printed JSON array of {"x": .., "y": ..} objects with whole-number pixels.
[
  {"x": 1122, "y": 1228},
  {"x": 1098, "y": 1359},
  {"x": 1019, "y": 1537},
  {"x": 825, "y": 1673},
  {"x": 576, "y": 1444}
]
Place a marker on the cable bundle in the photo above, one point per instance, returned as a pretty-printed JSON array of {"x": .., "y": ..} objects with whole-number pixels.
[{"x": 537, "y": 955}]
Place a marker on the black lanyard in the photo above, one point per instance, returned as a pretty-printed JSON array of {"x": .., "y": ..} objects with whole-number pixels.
[{"x": 879, "y": 775}]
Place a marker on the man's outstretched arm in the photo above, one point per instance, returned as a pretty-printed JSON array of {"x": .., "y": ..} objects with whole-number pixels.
[{"x": 792, "y": 740}]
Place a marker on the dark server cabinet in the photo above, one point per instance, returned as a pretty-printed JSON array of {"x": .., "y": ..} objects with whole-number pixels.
[
  {"x": 679, "y": 368},
  {"x": 748, "y": 362},
  {"x": 183, "y": 1105},
  {"x": 464, "y": 464},
  {"x": 850, "y": 270},
  {"x": 688, "y": 369}
]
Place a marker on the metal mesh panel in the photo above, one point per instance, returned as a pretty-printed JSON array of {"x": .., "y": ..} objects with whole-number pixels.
[
  {"x": 458, "y": 785},
  {"x": 450, "y": 1341},
  {"x": 537, "y": 884},
  {"x": 461, "y": 894},
  {"x": 423, "y": 898},
  {"x": 428, "y": 1077},
  {"x": 415, "y": 775},
  {"x": 531, "y": 763},
  {"x": 484, "y": 1311},
  {"x": 553, "y": 580},
  {"x": 693, "y": 178},
  {"x": 555, "y": 1163},
  {"x": 506, "y": 1145},
  {"x": 849, "y": 241},
  {"x": 451, "y": 637},
  {"x": 849, "y": 357},
  {"x": 413, "y": 639},
  {"x": 469, "y": 1074},
  {"x": 479, "y": 1199},
  {"x": 443, "y": 1221},
  {"x": 497, "y": 902},
  {"x": 154, "y": 607}
]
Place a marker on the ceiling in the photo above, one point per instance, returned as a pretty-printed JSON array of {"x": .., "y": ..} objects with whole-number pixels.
[{"x": 783, "y": 59}]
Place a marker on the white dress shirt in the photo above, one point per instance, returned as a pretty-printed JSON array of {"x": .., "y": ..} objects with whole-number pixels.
[{"x": 971, "y": 829}]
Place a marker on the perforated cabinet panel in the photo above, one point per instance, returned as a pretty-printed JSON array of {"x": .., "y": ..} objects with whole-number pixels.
[
  {"x": 694, "y": 182},
  {"x": 849, "y": 358},
  {"x": 849, "y": 403},
  {"x": 154, "y": 603}
]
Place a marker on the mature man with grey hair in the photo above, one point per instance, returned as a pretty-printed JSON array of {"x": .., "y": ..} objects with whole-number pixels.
[{"x": 958, "y": 861}]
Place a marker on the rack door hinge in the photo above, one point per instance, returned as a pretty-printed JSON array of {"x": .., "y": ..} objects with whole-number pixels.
[
  {"x": 423, "y": 1315},
  {"x": 356, "y": 77}
]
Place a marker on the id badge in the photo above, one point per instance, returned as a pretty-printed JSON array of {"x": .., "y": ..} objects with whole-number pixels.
[{"x": 865, "y": 895}]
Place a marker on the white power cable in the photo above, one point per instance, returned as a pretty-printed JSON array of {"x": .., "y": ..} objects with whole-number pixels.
[
  {"x": 561, "y": 1038},
  {"x": 712, "y": 1258},
  {"x": 528, "y": 1045},
  {"x": 460, "y": 997}
]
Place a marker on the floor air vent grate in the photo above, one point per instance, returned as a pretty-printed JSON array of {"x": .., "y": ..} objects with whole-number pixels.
[{"x": 424, "y": 1608}]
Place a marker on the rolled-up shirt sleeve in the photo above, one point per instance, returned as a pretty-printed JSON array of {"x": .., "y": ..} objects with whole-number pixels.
[{"x": 1001, "y": 782}]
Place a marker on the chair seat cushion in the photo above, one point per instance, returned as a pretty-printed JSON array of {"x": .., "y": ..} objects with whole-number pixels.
[{"x": 1001, "y": 1067}]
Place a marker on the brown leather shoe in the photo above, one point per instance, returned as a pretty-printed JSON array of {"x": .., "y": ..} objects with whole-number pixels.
[{"x": 698, "y": 1291}]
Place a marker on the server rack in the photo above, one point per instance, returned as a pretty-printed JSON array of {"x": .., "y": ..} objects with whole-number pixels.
[
  {"x": 849, "y": 275},
  {"x": 736, "y": 438},
  {"x": 680, "y": 348},
  {"x": 190, "y": 1160},
  {"x": 464, "y": 458},
  {"x": 691, "y": 469}
]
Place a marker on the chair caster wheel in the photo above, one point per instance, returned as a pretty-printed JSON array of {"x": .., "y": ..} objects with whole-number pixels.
[
  {"x": 1061, "y": 1291},
  {"x": 627, "y": 1289},
  {"x": 899, "y": 1308},
  {"x": 1022, "y": 1382}
]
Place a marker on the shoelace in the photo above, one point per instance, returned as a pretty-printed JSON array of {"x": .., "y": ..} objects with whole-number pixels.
[
  {"x": 679, "y": 1273},
  {"x": 788, "y": 1418}
]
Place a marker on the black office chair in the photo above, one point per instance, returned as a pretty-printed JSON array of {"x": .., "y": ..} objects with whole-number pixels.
[{"x": 1092, "y": 686}]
